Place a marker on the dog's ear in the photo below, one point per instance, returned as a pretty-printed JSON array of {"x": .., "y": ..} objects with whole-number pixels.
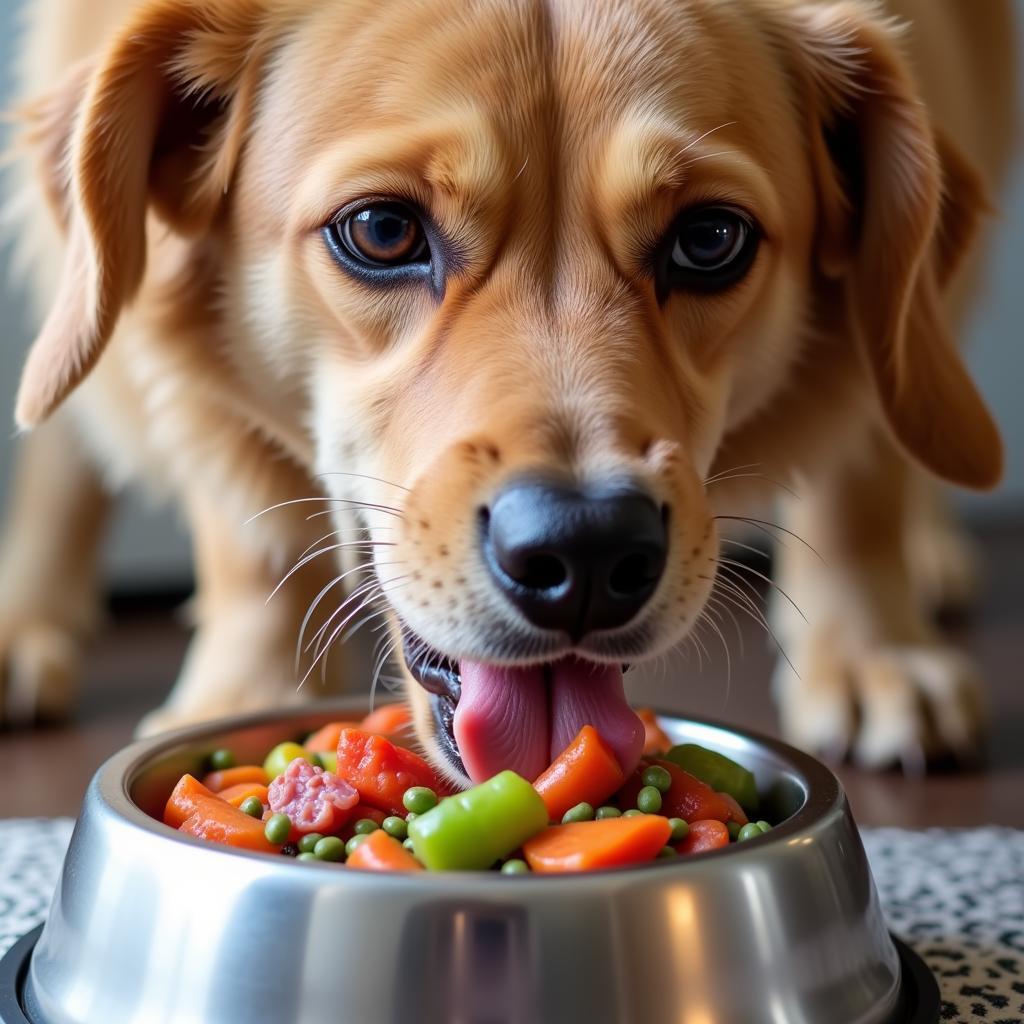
[
  {"x": 156, "y": 123},
  {"x": 897, "y": 207}
]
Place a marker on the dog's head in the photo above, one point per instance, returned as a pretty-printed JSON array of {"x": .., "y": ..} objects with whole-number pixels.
[{"x": 522, "y": 272}]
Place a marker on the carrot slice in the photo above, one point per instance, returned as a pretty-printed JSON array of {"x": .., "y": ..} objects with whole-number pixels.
[
  {"x": 387, "y": 720},
  {"x": 656, "y": 741},
  {"x": 381, "y": 852},
  {"x": 591, "y": 845},
  {"x": 218, "y": 822},
  {"x": 325, "y": 739},
  {"x": 587, "y": 770},
  {"x": 234, "y": 795},
  {"x": 704, "y": 836},
  {"x": 184, "y": 799},
  {"x": 216, "y": 781}
]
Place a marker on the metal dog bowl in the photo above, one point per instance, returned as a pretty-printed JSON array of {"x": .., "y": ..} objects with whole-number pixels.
[{"x": 149, "y": 926}]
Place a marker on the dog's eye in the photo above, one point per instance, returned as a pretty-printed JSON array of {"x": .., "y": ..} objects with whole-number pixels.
[
  {"x": 708, "y": 248},
  {"x": 380, "y": 235},
  {"x": 381, "y": 242}
]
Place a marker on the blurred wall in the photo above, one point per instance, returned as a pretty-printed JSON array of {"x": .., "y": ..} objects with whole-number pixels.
[{"x": 147, "y": 548}]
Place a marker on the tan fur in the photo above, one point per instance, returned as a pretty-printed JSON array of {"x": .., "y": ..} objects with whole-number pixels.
[{"x": 220, "y": 351}]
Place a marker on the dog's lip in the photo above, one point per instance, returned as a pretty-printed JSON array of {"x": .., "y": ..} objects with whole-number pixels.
[{"x": 438, "y": 674}]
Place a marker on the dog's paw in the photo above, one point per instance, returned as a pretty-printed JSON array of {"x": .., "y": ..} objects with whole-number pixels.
[
  {"x": 40, "y": 664},
  {"x": 891, "y": 706}
]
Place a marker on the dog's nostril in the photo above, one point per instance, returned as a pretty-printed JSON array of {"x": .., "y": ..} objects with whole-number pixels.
[
  {"x": 631, "y": 575},
  {"x": 543, "y": 572}
]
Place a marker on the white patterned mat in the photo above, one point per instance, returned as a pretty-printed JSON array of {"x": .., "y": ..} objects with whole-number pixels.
[{"x": 956, "y": 897}]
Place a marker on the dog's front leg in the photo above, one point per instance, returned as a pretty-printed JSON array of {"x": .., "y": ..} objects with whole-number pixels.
[
  {"x": 869, "y": 674},
  {"x": 243, "y": 654},
  {"x": 49, "y": 600}
]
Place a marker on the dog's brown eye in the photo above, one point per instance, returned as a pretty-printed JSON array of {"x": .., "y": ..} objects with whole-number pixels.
[
  {"x": 708, "y": 248},
  {"x": 386, "y": 234}
]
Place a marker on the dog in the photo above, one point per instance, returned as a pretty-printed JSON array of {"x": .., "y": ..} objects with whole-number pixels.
[{"x": 529, "y": 300}]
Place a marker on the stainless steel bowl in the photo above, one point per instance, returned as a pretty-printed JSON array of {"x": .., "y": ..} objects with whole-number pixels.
[{"x": 149, "y": 926}]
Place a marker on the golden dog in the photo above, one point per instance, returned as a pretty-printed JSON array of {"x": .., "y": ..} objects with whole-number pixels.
[{"x": 530, "y": 290}]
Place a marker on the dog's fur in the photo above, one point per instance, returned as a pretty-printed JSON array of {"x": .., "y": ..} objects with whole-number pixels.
[{"x": 186, "y": 154}]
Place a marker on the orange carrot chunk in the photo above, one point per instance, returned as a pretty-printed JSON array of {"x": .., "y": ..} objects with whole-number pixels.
[
  {"x": 380, "y": 771},
  {"x": 656, "y": 741},
  {"x": 325, "y": 739},
  {"x": 380, "y": 852},
  {"x": 387, "y": 720},
  {"x": 218, "y": 822},
  {"x": 184, "y": 800},
  {"x": 234, "y": 795},
  {"x": 587, "y": 770},
  {"x": 216, "y": 781},
  {"x": 704, "y": 836},
  {"x": 592, "y": 845}
]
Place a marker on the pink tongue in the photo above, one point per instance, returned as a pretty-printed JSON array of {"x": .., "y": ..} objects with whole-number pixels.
[{"x": 510, "y": 718}]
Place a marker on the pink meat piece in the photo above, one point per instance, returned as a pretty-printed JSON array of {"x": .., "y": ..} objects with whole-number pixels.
[{"x": 315, "y": 800}]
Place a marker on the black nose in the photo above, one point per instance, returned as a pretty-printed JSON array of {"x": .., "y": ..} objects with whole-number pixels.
[{"x": 575, "y": 560}]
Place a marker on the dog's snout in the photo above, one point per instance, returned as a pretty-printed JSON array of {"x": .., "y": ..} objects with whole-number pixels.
[{"x": 575, "y": 560}]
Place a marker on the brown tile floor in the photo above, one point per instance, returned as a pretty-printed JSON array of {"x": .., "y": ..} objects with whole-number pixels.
[{"x": 134, "y": 662}]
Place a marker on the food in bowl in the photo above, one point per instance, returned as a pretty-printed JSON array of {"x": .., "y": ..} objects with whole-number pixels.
[{"x": 352, "y": 794}]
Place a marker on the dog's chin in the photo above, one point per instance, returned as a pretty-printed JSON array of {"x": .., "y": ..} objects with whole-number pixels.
[{"x": 537, "y": 708}]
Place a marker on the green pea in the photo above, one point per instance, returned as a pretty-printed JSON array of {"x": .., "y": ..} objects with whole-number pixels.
[
  {"x": 581, "y": 812},
  {"x": 667, "y": 851},
  {"x": 222, "y": 759},
  {"x": 607, "y": 812},
  {"x": 395, "y": 827},
  {"x": 253, "y": 806},
  {"x": 281, "y": 756},
  {"x": 734, "y": 830},
  {"x": 419, "y": 799},
  {"x": 749, "y": 831},
  {"x": 631, "y": 813},
  {"x": 364, "y": 826},
  {"x": 329, "y": 848},
  {"x": 307, "y": 842},
  {"x": 648, "y": 800},
  {"x": 763, "y": 826},
  {"x": 278, "y": 828},
  {"x": 407, "y": 843},
  {"x": 515, "y": 866},
  {"x": 354, "y": 843},
  {"x": 680, "y": 830},
  {"x": 411, "y": 817},
  {"x": 306, "y": 856},
  {"x": 657, "y": 777}
]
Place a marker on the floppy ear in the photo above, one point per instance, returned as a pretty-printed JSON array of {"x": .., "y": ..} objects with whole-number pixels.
[
  {"x": 157, "y": 123},
  {"x": 898, "y": 206}
]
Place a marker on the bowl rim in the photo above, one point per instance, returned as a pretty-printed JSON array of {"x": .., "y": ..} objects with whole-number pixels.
[{"x": 824, "y": 797}]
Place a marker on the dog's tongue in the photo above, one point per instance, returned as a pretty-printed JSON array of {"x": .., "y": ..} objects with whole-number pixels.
[{"x": 513, "y": 718}]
